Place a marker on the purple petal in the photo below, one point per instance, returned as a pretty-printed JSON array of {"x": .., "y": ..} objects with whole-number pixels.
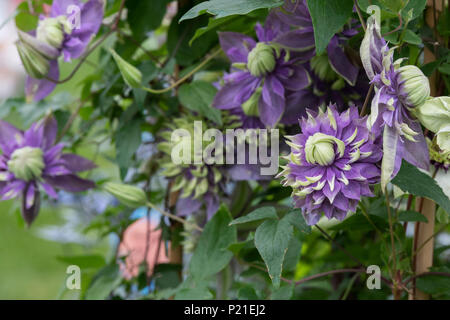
[
  {"x": 31, "y": 204},
  {"x": 297, "y": 40},
  {"x": 299, "y": 80},
  {"x": 271, "y": 106},
  {"x": 236, "y": 45},
  {"x": 70, "y": 183},
  {"x": 60, "y": 7},
  {"x": 75, "y": 163},
  {"x": 50, "y": 132},
  {"x": 38, "y": 89},
  {"x": 9, "y": 136},
  {"x": 340, "y": 62},
  {"x": 187, "y": 206}
]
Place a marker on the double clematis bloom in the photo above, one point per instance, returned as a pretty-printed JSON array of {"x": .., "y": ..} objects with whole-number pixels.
[
  {"x": 332, "y": 163},
  {"x": 31, "y": 159},
  {"x": 398, "y": 90},
  {"x": 261, "y": 76},
  {"x": 66, "y": 31}
]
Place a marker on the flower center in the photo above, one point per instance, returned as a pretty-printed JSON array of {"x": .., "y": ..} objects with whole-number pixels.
[
  {"x": 27, "y": 163},
  {"x": 319, "y": 149},
  {"x": 320, "y": 65},
  {"x": 52, "y": 30},
  {"x": 261, "y": 60}
]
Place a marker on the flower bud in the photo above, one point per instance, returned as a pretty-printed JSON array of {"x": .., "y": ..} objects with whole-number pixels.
[
  {"x": 131, "y": 75},
  {"x": 130, "y": 196},
  {"x": 414, "y": 84},
  {"x": 434, "y": 114},
  {"x": 320, "y": 65},
  {"x": 34, "y": 63},
  {"x": 319, "y": 149},
  {"x": 52, "y": 31},
  {"x": 443, "y": 140},
  {"x": 41, "y": 47},
  {"x": 261, "y": 60},
  {"x": 27, "y": 163},
  {"x": 250, "y": 107}
]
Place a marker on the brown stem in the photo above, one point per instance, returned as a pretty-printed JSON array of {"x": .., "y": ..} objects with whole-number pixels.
[{"x": 366, "y": 102}]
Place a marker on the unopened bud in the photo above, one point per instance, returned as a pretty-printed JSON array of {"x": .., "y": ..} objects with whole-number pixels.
[
  {"x": 53, "y": 30},
  {"x": 34, "y": 63},
  {"x": 250, "y": 107},
  {"x": 414, "y": 84},
  {"x": 261, "y": 60},
  {"x": 319, "y": 149},
  {"x": 320, "y": 65},
  {"x": 128, "y": 195},
  {"x": 131, "y": 75},
  {"x": 41, "y": 47}
]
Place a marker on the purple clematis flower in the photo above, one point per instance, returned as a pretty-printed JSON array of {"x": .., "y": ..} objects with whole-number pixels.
[
  {"x": 68, "y": 30},
  {"x": 398, "y": 90},
  {"x": 261, "y": 76},
  {"x": 336, "y": 79},
  {"x": 31, "y": 159},
  {"x": 332, "y": 163}
]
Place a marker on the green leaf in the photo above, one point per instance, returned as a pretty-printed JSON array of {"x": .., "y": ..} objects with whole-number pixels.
[
  {"x": 328, "y": 17},
  {"x": 412, "y": 216},
  {"x": 213, "y": 24},
  {"x": 198, "y": 96},
  {"x": 199, "y": 293},
  {"x": 104, "y": 283},
  {"x": 434, "y": 284},
  {"x": 360, "y": 223},
  {"x": 211, "y": 254},
  {"x": 145, "y": 16},
  {"x": 293, "y": 253},
  {"x": 296, "y": 218},
  {"x": 417, "y": 7},
  {"x": 247, "y": 293},
  {"x": 258, "y": 214},
  {"x": 412, "y": 38},
  {"x": 411, "y": 180},
  {"x": 221, "y": 8},
  {"x": 284, "y": 292},
  {"x": 128, "y": 140},
  {"x": 272, "y": 239}
]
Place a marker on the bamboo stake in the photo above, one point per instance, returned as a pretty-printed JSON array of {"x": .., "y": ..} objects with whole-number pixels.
[{"x": 423, "y": 258}]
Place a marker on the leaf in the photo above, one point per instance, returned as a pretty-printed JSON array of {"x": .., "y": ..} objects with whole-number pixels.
[
  {"x": 128, "y": 139},
  {"x": 198, "y": 96},
  {"x": 221, "y": 8},
  {"x": 412, "y": 216},
  {"x": 200, "y": 293},
  {"x": 411, "y": 180},
  {"x": 212, "y": 25},
  {"x": 293, "y": 253},
  {"x": 434, "y": 284},
  {"x": 417, "y": 7},
  {"x": 272, "y": 239},
  {"x": 258, "y": 214},
  {"x": 104, "y": 283},
  {"x": 360, "y": 223},
  {"x": 145, "y": 16},
  {"x": 412, "y": 38},
  {"x": 328, "y": 17},
  {"x": 296, "y": 218},
  {"x": 283, "y": 293},
  {"x": 211, "y": 254},
  {"x": 247, "y": 293}
]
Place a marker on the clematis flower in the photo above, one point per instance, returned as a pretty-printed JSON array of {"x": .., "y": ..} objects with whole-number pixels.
[
  {"x": 199, "y": 184},
  {"x": 67, "y": 31},
  {"x": 336, "y": 79},
  {"x": 332, "y": 163},
  {"x": 262, "y": 74},
  {"x": 398, "y": 90},
  {"x": 31, "y": 160}
]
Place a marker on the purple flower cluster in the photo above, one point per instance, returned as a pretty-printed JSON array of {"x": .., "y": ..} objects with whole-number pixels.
[
  {"x": 66, "y": 31},
  {"x": 31, "y": 159},
  {"x": 332, "y": 163}
]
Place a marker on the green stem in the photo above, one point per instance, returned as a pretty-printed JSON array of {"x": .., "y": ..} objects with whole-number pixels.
[{"x": 176, "y": 84}]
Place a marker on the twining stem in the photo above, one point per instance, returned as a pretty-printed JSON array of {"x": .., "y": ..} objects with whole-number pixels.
[
  {"x": 361, "y": 19},
  {"x": 172, "y": 216},
  {"x": 186, "y": 77},
  {"x": 394, "y": 255},
  {"x": 366, "y": 102}
]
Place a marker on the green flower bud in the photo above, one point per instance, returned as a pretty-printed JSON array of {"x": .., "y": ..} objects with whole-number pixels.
[
  {"x": 261, "y": 60},
  {"x": 415, "y": 84},
  {"x": 130, "y": 196},
  {"x": 250, "y": 107},
  {"x": 35, "y": 64},
  {"x": 319, "y": 149},
  {"x": 52, "y": 31},
  {"x": 434, "y": 114},
  {"x": 320, "y": 65},
  {"x": 131, "y": 75},
  {"x": 27, "y": 163},
  {"x": 443, "y": 140}
]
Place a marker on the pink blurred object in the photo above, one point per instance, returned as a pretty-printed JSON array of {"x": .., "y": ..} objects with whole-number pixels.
[{"x": 133, "y": 247}]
